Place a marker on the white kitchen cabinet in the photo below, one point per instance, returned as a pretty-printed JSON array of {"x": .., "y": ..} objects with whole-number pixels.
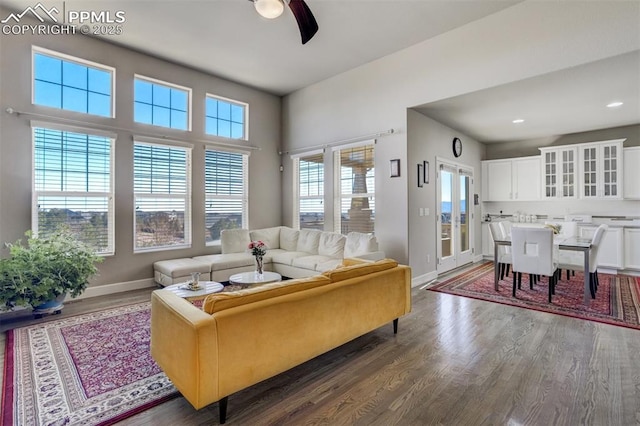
[
  {"x": 611, "y": 252},
  {"x": 631, "y": 173},
  {"x": 559, "y": 172},
  {"x": 601, "y": 169},
  {"x": 632, "y": 248},
  {"x": 515, "y": 179}
]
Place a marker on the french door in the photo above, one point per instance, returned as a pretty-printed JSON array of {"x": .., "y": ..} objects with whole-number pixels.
[{"x": 455, "y": 215}]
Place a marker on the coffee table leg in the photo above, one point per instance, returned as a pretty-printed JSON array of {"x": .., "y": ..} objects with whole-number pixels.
[{"x": 495, "y": 265}]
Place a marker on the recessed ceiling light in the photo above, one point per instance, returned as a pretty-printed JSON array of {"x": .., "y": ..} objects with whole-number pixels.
[
  {"x": 614, "y": 104},
  {"x": 518, "y": 121}
]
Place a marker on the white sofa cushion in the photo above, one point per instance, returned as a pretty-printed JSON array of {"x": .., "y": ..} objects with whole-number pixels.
[
  {"x": 269, "y": 236},
  {"x": 220, "y": 262},
  {"x": 331, "y": 244},
  {"x": 234, "y": 240},
  {"x": 359, "y": 243},
  {"x": 328, "y": 265},
  {"x": 289, "y": 238},
  {"x": 286, "y": 257},
  {"x": 181, "y": 267},
  {"x": 310, "y": 262},
  {"x": 308, "y": 240}
]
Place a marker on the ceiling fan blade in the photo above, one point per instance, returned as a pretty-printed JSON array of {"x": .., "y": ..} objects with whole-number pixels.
[{"x": 306, "y": 22}]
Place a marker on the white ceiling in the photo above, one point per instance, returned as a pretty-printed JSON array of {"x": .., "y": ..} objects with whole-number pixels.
[
  {"x": 227, "y": 38},
  {"x": 568, "y": 101}
]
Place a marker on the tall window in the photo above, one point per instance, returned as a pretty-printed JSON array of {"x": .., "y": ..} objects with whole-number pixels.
[
  {"x": 226, "y": 118},
  {"x": 225, "y": 191},
  {"x": 73, "y": 185},
  {"x": 355, "y": 192},
  {"x": 162, "y": 188},
  {"x": 309, "y": 203},
  {"x": 161, "y": 104},
  {"x": 73, "y": 84}
]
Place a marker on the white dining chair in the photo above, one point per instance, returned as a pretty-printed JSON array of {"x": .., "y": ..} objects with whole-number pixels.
[
  {"x": 504, "y": 253},
  {"x": 532, "y": 253},
  {"x": 570, "y": 262}
]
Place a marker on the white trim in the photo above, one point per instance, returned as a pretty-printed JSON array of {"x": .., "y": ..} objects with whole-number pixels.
[
  {"x": 104, "y": 290},
  {"x": 171, "y": 86},
  {"x": 147, "y": 140},
  {"x": 307, "y": 153},
  {"x": 80, "y": 61},
  {"x": 213, "y": 146},
  {"x": 73, "y": 129},
  {"x": 245, "y": 124},
  {"x": 424, "y": 279}
]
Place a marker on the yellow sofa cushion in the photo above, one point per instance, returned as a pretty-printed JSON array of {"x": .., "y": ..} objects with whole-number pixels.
[
  {"x": 359, "y": 269},
  {"x": 220, "y": 301}
]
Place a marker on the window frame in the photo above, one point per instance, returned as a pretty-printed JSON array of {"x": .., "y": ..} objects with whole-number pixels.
[
  {"x": 245, "y": 117},
  {"x": 338, "y": 196},
  {"x": 94, "y": 194},
  {"x": 244, "y": 197},
  {"x": 297, "y": 198},
  {"x": 169, "y": 85},
  {"x": 188, "y": 219},
  {"x": 79, "y": 61}
]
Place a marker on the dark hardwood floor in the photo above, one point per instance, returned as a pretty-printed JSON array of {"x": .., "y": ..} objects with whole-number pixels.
[{"x": 454, "y": 361}]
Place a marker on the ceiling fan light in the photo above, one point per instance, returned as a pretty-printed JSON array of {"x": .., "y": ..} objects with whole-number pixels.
[{"x": 269, "y": 9}]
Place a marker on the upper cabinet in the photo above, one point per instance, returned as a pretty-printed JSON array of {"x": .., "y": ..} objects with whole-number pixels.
[
  {"x": 515, "y": 179},
  {"x": 559, "y": 172},
  {"x": 601, "y": 169},
  {"x": 631, "y": 173}
]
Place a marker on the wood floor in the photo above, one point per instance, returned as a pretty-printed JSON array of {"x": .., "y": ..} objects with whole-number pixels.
[{"x": 454, "y": 361}]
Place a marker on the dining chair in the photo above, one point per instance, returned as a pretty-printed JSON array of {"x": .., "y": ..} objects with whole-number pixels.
[
  {"x": 532, "y": 253},
  {"x": 569, "y": 262},
  {"x": 568, "y": 229},
  {"x": 504, "y": 253}
]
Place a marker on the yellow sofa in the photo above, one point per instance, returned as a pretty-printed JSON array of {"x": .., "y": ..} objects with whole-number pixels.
[{"x": 240, "y": 338}]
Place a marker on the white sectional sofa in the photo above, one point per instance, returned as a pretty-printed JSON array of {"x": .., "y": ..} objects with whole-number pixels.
[{"x": 290, "y": 252}]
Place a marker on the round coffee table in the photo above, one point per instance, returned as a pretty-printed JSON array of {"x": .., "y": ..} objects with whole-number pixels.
[
  {"x": 249, "y": 278},
  {"x": 207, "y": 287}
]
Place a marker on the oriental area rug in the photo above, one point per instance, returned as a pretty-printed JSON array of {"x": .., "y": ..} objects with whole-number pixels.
[
  {"x": 617, "y": 301},
  {"x": 91, "y": 369}
]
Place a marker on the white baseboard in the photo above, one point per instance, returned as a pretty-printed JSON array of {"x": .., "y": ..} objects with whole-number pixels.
[
  {"x": 424, "y": 278},
  {"x": 479, "y": 258},
  {"x": 103, "y": 290}
]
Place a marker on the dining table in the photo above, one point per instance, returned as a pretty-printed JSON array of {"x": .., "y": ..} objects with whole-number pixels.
[{"x": 573, "y": 243}]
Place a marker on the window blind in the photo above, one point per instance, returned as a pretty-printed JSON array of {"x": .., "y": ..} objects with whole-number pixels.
[
  {"x": 162, "y": 190},
  {"x": 310, "y": 191},
  {"x": 226, "y": 192},
  {"x": 73, "y": 186},
  {"x": 355, "y": 192}
]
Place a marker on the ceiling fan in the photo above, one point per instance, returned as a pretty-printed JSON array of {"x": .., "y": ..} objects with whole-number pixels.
[{"x": 273, "y": 8}]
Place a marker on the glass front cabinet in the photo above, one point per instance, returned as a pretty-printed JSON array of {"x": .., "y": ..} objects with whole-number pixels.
[
  {"x": 601, "y": 169},
  {"x": 586, "y": 170},
  {"x": 560, "y": 172}
]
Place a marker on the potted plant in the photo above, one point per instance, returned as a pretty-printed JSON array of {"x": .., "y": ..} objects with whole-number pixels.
[{"x": 46, "y": 269}]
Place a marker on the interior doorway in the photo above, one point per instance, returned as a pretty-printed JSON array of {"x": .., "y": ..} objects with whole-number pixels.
[{"x": 454, "y": 222}]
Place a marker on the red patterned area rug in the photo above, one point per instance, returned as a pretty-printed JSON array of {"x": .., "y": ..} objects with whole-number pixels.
[
  {"x": 617, "y": 301},
  {"x": 92, "y": 369}
]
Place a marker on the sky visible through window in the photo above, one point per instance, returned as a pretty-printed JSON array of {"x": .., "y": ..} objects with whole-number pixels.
[
  {"x": 225, "y": 119},
  {"x": 71, "y": 86},
  {"x": 161, "y": 105}
]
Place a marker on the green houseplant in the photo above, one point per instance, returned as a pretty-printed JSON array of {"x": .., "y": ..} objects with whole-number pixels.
[{"x": 45, "y": 269}]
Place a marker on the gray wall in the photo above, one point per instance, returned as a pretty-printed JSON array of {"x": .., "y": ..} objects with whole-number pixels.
[
  {"x": 501, "y": 48},
  {"x": 530, "y": 147},
  {"x": 265, "y": 117},
  {"x": 428, "y": 140}
]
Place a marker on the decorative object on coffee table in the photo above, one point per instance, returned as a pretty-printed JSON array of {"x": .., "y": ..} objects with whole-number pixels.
[{"x": 258, "y": 250}]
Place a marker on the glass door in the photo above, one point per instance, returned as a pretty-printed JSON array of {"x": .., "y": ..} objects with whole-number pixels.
[{"x": 454, "y": 222}]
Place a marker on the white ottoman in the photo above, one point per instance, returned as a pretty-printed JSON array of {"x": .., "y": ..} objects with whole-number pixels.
[{"x": 173, "y": 271}]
